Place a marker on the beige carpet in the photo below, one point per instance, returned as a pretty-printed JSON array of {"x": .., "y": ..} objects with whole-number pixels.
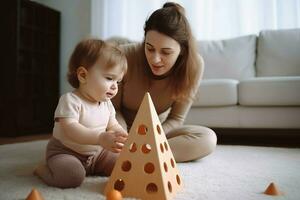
[{"x": 232, "y": 172}]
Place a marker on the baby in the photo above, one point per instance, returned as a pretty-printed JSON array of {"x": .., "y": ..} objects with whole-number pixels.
[{"x": 86, "y": 138}]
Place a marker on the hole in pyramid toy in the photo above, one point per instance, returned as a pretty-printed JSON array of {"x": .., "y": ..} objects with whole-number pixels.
[
  {"x": 151, "y": 188},
  {"x": 146, "y": 168},
  {"x": 142, "y": 129},
  {"x": 158, "y": 129},
  {"x": 146, "y": 148},
  {"x": 165, "y": 167},
  {"x": 166, "y": 146},
  {"x": 119, "y": 185},
  {"x": 132, "y": 147},
  {"x": 170, "y": 186},
  {"x": 178, "y": 179},
  {"x": 161, "y": 147},
  {"x": 126, "y": 166},
  {"x": 149, "y": 168},
  {"x": 172, "y": 163}
]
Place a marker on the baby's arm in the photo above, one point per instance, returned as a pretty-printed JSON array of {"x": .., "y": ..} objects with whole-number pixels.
[
  {"x": 112, "y": 139},
  {"x": 117, "y": 128},
  {"x": 79, "y": 133}
]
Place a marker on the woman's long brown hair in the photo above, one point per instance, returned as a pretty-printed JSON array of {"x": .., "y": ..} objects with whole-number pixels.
[{"x": 171, "y": 21}]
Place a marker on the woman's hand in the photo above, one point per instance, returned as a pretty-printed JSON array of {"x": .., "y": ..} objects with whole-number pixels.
[{"x": 113, "y": 140}]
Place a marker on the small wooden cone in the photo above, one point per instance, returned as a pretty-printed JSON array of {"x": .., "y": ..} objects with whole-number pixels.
[
  {"x": 34, "y": 195},
  {"x": 114, "y": 195},
  {"x": 272, "y": 189}
]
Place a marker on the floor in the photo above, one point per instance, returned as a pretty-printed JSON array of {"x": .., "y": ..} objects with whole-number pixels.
[
  {"x": 231, "y": 172},
  {"x": 11, "y": 140}
]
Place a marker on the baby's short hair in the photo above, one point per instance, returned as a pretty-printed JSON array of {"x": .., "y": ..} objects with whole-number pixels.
[{"x": 86, "y": 54}]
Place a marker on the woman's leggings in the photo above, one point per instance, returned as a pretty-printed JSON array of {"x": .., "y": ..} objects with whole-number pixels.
[{"x": 188, "y": 142}]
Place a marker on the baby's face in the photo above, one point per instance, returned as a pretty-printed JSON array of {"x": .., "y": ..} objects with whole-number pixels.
[{"x": 102, "y": 84}]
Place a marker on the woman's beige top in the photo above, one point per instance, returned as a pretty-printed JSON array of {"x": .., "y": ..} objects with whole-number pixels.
[{"x": 134, "y": 86}]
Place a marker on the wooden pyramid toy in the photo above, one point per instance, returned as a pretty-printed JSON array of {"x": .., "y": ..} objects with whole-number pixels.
[
  {"x": 34, "y": 195},
  {"x": 272, "y": 189},
  {"x": 146, "y": 167}
]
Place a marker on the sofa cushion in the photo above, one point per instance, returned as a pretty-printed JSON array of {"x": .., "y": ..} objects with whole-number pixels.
[
  {"x": 245, "y": 117},
  {"x": 217, "y": 92},
  {"x": 278, "y": 53},
  {"x": 270, "y": 91},
  {"x": 231, "y": 58}
]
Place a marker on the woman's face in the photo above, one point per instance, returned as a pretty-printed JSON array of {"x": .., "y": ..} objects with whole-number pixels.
[{"x": 161, "y": 52}]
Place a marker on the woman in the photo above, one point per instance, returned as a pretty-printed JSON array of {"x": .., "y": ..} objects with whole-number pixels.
[{"x": 167, "y": 66}]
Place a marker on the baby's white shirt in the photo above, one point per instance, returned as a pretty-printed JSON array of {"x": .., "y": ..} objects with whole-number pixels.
[{"x": 94, "y": 116}]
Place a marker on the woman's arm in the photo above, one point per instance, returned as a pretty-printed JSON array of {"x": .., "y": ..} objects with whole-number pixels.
[{"x": 177, "y": 115}]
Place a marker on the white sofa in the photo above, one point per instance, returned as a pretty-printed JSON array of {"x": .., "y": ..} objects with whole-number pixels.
[{"x": 250, "y": 82}]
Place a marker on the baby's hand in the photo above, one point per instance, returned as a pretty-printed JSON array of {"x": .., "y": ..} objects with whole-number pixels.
[{"x": 113, "y": 140}]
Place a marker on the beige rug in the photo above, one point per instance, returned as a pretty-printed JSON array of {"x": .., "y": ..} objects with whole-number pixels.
[{"x": 232, "y": 172}]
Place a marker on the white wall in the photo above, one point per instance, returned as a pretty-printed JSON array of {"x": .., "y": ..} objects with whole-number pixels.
[
  {"x": 75, "y": 25},
  {"x": 98, "y": 13}
]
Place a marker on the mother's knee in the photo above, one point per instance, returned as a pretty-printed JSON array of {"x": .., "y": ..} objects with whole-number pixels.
[
  {"x": 205, "y": 142},
  {"x": 210, "y": 140}
]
